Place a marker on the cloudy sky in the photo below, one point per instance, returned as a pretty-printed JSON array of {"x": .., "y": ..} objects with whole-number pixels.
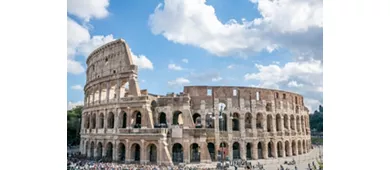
[{"x": 259, "y": 43}]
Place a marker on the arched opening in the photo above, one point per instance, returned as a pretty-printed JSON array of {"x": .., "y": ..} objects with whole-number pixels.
[
  {"x": 298, "y": 123},
  {"x": 86, "y": 149},
  {"x": 280, "y": 149},
  {"x": 292, "y": 122},
  {"x": 100, "y": 150},
  {"x": 236, "y": 122},
  {"x": 177, "y": 118},
  {"x": 294, "y": 148},
  {"x": 138, "y": 119},
  {"x": 287, "y": 148},
  {"x": 296, "y": 109},
  {"x": 236, "y": 150},
  {"x": 259, "y": 121},
  {"x": 223, "y": 152},
  {"x": 197, "y": 120},
  {"x": 249, "y": 151},
  {"x": 153, "y": 105},
  {"x": 124, "y": 120},
  {"x": 211, "y": 148},
  {"x": 268, "y": 107},
  {"x": 109, "y": 151},
  {"x": 86, "y": 124},
  {"x": 270, "y": 150},
  {"x": 303, "y": 124},
  {"x": 195, "y": 153},
  {"x": 269, "y": 123},
  {"x": 92, "y": 149},
  {"x": 303, "y": 146},
  {"x": 177, "y": 153},
  {"x": 260, "y": 150},
  {"x": 93, "y": 121},
  {"x": 209, "y": 121},
  {"x": 163, "y": 120},
  {"x": 299, "y": 147},
  {"x": 285, "y": 121},
  {"x": 223, "y": 123},
  {"x": 248, "y": 121},
  {"x": 101, "y": 120},
  {"x": 152, "y": 153},
  {"x": 278, "y": 123},
  {"x": 111, "y": 120},
  {"x": 135, "y": 152},
  {"x": 122, "y": 152}
]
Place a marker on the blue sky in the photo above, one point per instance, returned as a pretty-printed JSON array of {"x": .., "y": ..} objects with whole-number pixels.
[{"x": 196, "y": 42}]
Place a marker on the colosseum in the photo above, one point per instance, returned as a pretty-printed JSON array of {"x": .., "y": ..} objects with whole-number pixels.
[{"x": 202, "y": 124}]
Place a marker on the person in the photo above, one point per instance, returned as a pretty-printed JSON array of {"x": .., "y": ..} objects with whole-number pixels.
[{"x": 296, "y": 168}]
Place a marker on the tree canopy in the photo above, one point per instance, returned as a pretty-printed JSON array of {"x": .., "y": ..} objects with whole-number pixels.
[
  {"x": 316, "y": 120},
  {"x": 74, "y": 125}
]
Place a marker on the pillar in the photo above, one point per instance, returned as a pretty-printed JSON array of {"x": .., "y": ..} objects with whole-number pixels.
[
  {"x": 274, "y": 149},
  {"x": 290, "y": 149},
  {"x": 143, "y": 151},
  {"x": 242, "y": 150},
  {"x": 117, "y": 90},
  {"x": 128, "y": 151},
  {"x": 265, "y": 149},
  {"x": 273, "y": 124},
  {"x": 254, "y": 150},
  {"x": 186, "y": 152},
  {"x": 108, "y": 91},
  {"x": 115, "y": 151}
]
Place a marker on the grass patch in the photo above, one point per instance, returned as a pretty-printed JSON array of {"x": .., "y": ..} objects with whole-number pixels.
[{"x": 316, "y": 140}]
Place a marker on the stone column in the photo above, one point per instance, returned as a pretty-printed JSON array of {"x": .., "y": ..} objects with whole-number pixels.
[
  {"x": 242, "y": 125},
  {"x": 115, "y": 151},
  {"x": 216, "y": 121},
  {"x": 93, "y": 95},
  {"x": 265, "y": 149},
  {"x": 108, "y": 91},
  {"x": 283, "y": 150},
  {"x": 254, "y": 150},
  {"x": 273, "y": 124},
  {"x": 128, "y": 151},
  {"x": 104, "y": 149},
  {"x": 288, "y": 123},
  {"x": 117, "y": 90},
  {"x": 143, "y": 151},
  {"x": 264, "y": 122},
  {"x": 159, "y": 152},
  {"x": 230, "y": 148},
  {"x": 242, "y": 150},
  {"x": 186, "y": 151},
  {"x": 95, "y": 150}
]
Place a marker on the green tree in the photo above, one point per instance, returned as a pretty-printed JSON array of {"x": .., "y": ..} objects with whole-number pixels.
[
  {"x": 74, "y": 125},
  {"x": 316, "y": 120}
]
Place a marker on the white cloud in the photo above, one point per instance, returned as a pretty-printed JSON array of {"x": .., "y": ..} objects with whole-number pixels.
[
  {"x": 312, "y": 104},
  {"x": 72, "y": 105},
  {"x": 174, "y": 67},
  {"x": 184, "y": 60},
  {"x": 75, "y": 67},
  {"x": 294, "y": 84},
  {"x": 77, "y": 87},
  {"x": 216, "y": 79},
  {"x": 87, "y": 9},
  {"x": 276, "y": 62},
  {"x": 284, "y": 24},
  {"x": 178, "y": 82},
  {"x": 141, "y": 61},
  {"x": 231, "y": 66}
]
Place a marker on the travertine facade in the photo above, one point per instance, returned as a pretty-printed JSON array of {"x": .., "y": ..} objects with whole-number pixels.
[{"x": 123, "y": 123}]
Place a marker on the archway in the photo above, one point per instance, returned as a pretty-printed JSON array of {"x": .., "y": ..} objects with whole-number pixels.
[
  {"x": 163, "y": 120},
  {"x": 248, "y": 120},
  {"x": 236, "y": 122},
  {"x": 223, "y": 123},
  {"x": 195, "y": 153},
  {"x": 109, "y": 151},
  {"x": 303, "y": 146},
  {"x": 86, "y": 149},
  {"x": 236, "y": 150},
  {"x": 211, "y": 148},
  {"x": 303, "y": 124},
  {"x": 269, "y": 123},
  {"x": 209, "y": 121},
  {"x": 294, "y": 148},
  {"x": 111, "y": 120},
  {"x": 299, "y": 147},
  {"x": 152, "y": 153},
  {"x": 122, "y": 152},
  {"x": 93, "y": 121},
  {"x": 259, "y": 121},
  {"x": 177, "y": 118},
  {"x": 138, "y": 119},
  {"x": 101, "y": 120},
  {"x": 287, "y": 148},
  {"x": 278, "y": 123},
  {"x": 249, "y": 151},
  {"x": 92, "y": 149},
  {"x": 280, "y": 149},
  {"x": 100, "y": 150},
  {"x": 298, "y": 124},
  {"x": 124, "y": 120},
  {"x": 177, "y": 153},
  {"x": 260, "y": 150},
  {"x": 135, "y": 152},
  {"x": 223, "y": 152},
  {"x": 197, "y": 120},
  {"x": 285, "y": 121},
  {"x": 292, "y": 122},
  {"x": 270, "y": 150},
  {"x": 86, "y": 123}
]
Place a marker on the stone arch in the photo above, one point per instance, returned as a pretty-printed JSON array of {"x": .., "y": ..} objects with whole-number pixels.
[
  {"x": 248, "y": 120},
  {"x": 299, "y": 147},
  {"x": 223, "y": 122},
  {"x": 294, "y": 148},
  {"x": 236, "y": 150},
  {"x": 236, "y": 121},
  {"x": 99, "y": 150},
  {"x": 270, "y": 149},
  {"x": 93, "y": 121},
  {"x": 268, "y": 107},
  {"x": 260, "y": 150},
  {"x": 101, "y": 120},
  {"x": 137, "y": 119},
  {"x": 111, "y": 120},
  {"x": 269, "y": 123},
  {"x": 177, "y": 153},
  {"x": 303, "y": 124},
  {"x": 86, "y": 149},
  {"x": 285, "y": 121},
  {"x": 303, "y": 146},
  {"x": 153, "y": 105},
  {"x": 292, "y": 122},
  {"x": 223, "y": 152},
  {"x": 109, "y": 151},
  {"x": 177, "y": 118},
  {"x": 259, "y": 121},
  {"x": 197, "y": 120},
  {"x": 280, "y": 149},
  {"x": 211, "y": 149},
  {"x": 249, "y": 151},
  {"x": 298, "y": 124},
  {"x": 135, "y": 152},
  {"x": 152, "y": 153},
  {"x": 121, "y": 152},
  {"x": 162, "y": 119},
  {"x": 209, "y": 121},
  {"x": 194, "y": 152},
  {"x": 86, "y": 122},
  {"x": 92, "y": 148},
  {"x": 287, "y": 148},
  {"x": 123, "y": 119},
  {"x": 278, "y": 123}
]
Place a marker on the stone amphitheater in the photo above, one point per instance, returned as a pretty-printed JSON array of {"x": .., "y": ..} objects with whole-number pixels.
[{"x": 202, "y": 124}]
